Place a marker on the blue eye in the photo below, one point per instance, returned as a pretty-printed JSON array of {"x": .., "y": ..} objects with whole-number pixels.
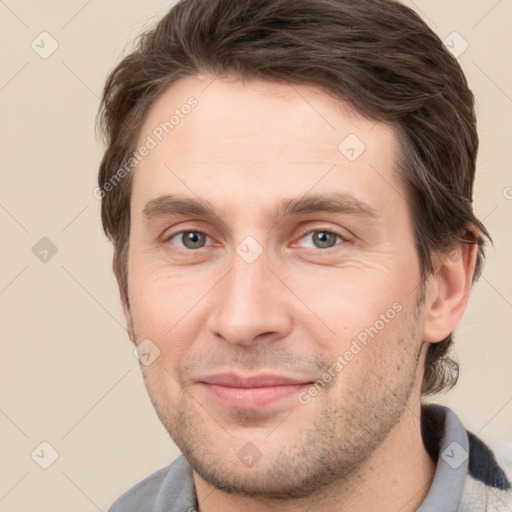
[{"x": 323, "y": 239}]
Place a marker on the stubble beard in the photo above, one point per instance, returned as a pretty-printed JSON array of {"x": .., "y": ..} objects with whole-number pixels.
[{"x": 334, "y": 446}]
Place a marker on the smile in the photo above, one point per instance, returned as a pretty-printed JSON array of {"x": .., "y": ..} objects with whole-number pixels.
[{"x": 251, "y": 392}]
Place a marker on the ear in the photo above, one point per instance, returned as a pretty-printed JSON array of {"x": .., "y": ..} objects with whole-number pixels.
[
  {"x": 124, "y": 299},
  {"x": 448, "y": 291}
]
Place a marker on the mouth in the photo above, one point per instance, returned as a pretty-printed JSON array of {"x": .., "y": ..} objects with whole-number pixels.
[{"x": 251, "y": 392}]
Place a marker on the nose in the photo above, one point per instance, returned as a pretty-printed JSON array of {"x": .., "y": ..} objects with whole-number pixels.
[{"x": 250, "y": 305}]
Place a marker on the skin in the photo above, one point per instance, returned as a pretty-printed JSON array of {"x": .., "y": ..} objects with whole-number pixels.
[{"x": 356, "y": 445}]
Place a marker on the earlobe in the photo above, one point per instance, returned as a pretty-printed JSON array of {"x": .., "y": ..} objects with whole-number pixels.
[{"x": 448, "y": 291}]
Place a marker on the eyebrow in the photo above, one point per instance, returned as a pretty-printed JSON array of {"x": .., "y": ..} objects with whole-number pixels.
[{"x": 339, "y": 202}]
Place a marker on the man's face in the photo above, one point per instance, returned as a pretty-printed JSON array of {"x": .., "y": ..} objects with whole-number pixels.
[{"x": 272, "y": 292}]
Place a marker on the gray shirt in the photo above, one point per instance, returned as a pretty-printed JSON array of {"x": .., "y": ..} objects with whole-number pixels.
[{"x": 467, "y": 477}]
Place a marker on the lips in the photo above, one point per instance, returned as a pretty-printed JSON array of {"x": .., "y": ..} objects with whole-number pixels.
[{"x": 251, "y": 392}]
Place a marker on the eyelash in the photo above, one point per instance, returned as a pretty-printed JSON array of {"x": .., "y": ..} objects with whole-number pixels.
[{"x": 301, "y": 236}]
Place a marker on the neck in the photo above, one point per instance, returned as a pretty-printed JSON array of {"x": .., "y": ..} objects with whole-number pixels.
[{"x": 397, "y": 476}]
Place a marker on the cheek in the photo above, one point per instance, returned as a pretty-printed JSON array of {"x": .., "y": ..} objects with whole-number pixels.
[
  {"x": 160, "y": 296},
  {"x": 156, "y": 314},
  {"x": 352, "y": 298},
  {"x": 381, "y": 357}
]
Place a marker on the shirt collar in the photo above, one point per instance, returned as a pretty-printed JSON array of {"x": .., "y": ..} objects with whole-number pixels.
[
  {"x": 446, "y": 438},
  {"x": 443, "y": 434}
]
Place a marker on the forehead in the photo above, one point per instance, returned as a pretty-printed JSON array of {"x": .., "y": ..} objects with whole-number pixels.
[
  {"x": 259, "y": 138},
  {"x": 259, "y": 109}
]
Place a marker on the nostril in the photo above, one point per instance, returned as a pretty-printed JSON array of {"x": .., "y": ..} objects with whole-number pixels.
[{"x": 263, "y": 334}]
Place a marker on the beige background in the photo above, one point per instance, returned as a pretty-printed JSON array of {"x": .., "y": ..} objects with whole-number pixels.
[{"x": 67, "y": 372}]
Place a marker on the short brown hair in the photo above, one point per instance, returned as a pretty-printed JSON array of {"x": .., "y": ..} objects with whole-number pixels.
[{"x": 377, "y": 55}]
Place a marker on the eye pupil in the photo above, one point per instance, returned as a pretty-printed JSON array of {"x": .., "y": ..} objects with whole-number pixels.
[
  {"x": 324, "y": 239},
  {"x": 193, "y": 240}
]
